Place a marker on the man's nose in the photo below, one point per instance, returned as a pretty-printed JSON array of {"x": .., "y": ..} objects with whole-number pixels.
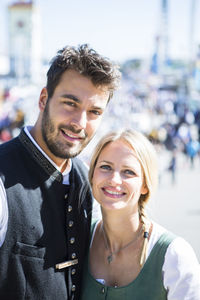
[{"x": 80, "y": 120}]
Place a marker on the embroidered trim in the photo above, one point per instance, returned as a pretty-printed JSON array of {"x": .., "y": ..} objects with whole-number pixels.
[{"x": 38, "y": 157}]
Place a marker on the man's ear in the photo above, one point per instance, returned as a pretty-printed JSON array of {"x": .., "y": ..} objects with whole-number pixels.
[{"x": 43, "y": 99}]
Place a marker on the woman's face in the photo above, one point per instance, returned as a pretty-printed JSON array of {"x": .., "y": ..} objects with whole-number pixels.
[{"x": 118, "y": 179}]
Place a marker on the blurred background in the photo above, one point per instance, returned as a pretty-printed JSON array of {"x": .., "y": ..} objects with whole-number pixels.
[{"x": 157, "y": 45}]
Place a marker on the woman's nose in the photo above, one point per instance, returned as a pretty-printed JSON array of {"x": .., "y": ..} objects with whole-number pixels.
[{"x": 116, "y": 178}]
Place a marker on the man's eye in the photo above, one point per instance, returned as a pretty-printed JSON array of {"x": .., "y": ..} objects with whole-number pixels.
[
  {"x": 96, "y": 112},
  {"x": 70, "y": 103}
]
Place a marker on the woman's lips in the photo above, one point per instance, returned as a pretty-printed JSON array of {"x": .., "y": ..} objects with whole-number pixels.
[{"x": 112, "y": 193}]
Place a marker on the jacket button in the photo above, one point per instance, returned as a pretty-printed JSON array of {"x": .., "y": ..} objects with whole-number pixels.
[
  {"x": 72, "y": 240},
  {"x": 73, "y": 255},
  {"x": 73, "y": 288},
  {"x": 69, "y": 208},
  {"x": 73, "y": 271},
  {"x": 71, "y": 223},
  {"x": 66, "y": 195}
]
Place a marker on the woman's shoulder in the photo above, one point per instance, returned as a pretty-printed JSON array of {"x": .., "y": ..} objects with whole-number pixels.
[
  {"x": 181, "y": 253},
  {"x": 94, "y": 224},
  {"x": 181, "y": 269},
  {"x": 178, "y": 247},
  {"x": 156, "y": 234}
]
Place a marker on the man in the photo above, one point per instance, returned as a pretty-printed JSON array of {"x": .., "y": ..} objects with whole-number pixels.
[{"x": 44, "y": 235}]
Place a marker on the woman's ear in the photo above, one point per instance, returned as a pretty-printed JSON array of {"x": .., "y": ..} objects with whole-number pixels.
[
  {"x": 144, "y": 189},
  {"x": 43, "y": 99}
]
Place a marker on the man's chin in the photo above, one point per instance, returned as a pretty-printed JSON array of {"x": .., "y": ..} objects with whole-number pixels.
[
  {"x": 73, "y": 153},
  {"x": 73, "y": 150}
]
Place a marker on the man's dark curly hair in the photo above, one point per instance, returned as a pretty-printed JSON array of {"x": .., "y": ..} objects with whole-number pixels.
[{"x": 100, "y": 70}]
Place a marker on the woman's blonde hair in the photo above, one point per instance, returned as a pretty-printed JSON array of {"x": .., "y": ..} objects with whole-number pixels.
[{"x": 145, "y": 153}]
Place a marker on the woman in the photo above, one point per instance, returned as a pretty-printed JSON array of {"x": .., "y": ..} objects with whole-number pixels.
[{"x": 132, "y": 257}]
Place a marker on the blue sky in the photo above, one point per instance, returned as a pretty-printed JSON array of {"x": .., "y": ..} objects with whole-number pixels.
[{"x": 119, "y": 29}]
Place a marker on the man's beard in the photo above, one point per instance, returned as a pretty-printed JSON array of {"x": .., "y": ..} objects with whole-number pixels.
[{"x": 57, "y": 147}]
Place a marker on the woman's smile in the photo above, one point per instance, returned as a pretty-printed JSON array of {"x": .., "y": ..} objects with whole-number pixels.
[{"x": 110, "y": 192}]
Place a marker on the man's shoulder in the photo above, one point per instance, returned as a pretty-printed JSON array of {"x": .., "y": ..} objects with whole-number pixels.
[
  {"x": 6, "y": 147},
  {"x": 79, "y": 164},
  {"x": 80, "y": 167}
]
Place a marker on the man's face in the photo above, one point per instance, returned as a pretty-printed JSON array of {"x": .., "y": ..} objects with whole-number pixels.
[{"x": 72, "y": 115}]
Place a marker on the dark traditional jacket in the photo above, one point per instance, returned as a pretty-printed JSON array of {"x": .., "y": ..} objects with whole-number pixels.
[{"x": 48, "y": 224}]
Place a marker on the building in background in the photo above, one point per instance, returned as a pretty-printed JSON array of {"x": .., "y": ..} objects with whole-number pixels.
[{"x": 24, "y": 40}]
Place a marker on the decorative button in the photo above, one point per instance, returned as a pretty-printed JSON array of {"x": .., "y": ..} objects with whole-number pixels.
[
  {"x": 66, "y": 195},
  {"x": 103, "y": 290},
  {"x": 73, "y": 255},
  {"x": 69, "y": 208},
  {"x": 72, "y": 240},
  {"x": 71, "y": 223},
  {"x": 73, "y": 288},
  {"x": 73, "y": 271}
]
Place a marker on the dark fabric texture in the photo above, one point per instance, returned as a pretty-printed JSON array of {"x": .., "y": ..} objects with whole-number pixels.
[{"x": 38, "y": 235}]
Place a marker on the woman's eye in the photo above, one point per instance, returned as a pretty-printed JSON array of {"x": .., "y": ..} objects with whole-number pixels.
[
  {"x": 105, "y": 167},
  {"x": 96, "y": 112},
  {"x": 129, "y": 172}
]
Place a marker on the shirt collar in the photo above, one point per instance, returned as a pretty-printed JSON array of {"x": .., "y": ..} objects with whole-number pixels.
[{"x": 66, "y": 172}]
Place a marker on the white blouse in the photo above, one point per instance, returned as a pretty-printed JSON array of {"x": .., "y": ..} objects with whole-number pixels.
[{"x": 181, "y": 269}]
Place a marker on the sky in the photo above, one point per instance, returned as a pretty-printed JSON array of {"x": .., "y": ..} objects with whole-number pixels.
[{"x": 118, "y": 29}]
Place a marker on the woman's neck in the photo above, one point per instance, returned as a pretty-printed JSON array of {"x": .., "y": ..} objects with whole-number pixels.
[{"x": 119, "y": 230}]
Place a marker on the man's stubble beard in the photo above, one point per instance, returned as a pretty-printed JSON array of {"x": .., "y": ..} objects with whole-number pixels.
[{"x": 58, "y": 148}]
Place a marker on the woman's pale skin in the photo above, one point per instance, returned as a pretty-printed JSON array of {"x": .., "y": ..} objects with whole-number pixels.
[{"x": 117, "y": 184}]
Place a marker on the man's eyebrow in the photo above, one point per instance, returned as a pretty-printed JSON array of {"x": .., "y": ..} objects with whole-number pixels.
[
  {"x": 72, "y": 97},
  {"x": 77, "y": 100},
  {"x": 98, "y": 108}
]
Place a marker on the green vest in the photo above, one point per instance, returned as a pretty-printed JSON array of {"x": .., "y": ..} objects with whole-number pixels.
[{"x": 148, "y": 285}]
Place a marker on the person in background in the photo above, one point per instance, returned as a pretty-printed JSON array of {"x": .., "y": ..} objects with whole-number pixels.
[
  {"x": 131, "y": 256},
  {"x": 45, "y": 217},
  {"x": 192, "y": 149},
  {"x": 173, "y": 165}
]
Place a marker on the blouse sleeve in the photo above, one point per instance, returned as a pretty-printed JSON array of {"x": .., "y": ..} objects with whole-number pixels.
[
  {"x": 181, "y": 271},
  {"x": 3, "y": 213}
]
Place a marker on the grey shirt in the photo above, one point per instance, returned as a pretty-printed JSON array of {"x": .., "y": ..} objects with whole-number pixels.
[{"x": 3, "y": 213}]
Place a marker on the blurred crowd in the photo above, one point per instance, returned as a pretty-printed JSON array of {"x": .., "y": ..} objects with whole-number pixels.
[
  {"x": 11, "y": 116},
  {"x": 164, "y": 109}
]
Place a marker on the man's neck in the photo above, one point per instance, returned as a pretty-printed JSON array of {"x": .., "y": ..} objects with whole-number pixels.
[{"x": 60, "y": 164}]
